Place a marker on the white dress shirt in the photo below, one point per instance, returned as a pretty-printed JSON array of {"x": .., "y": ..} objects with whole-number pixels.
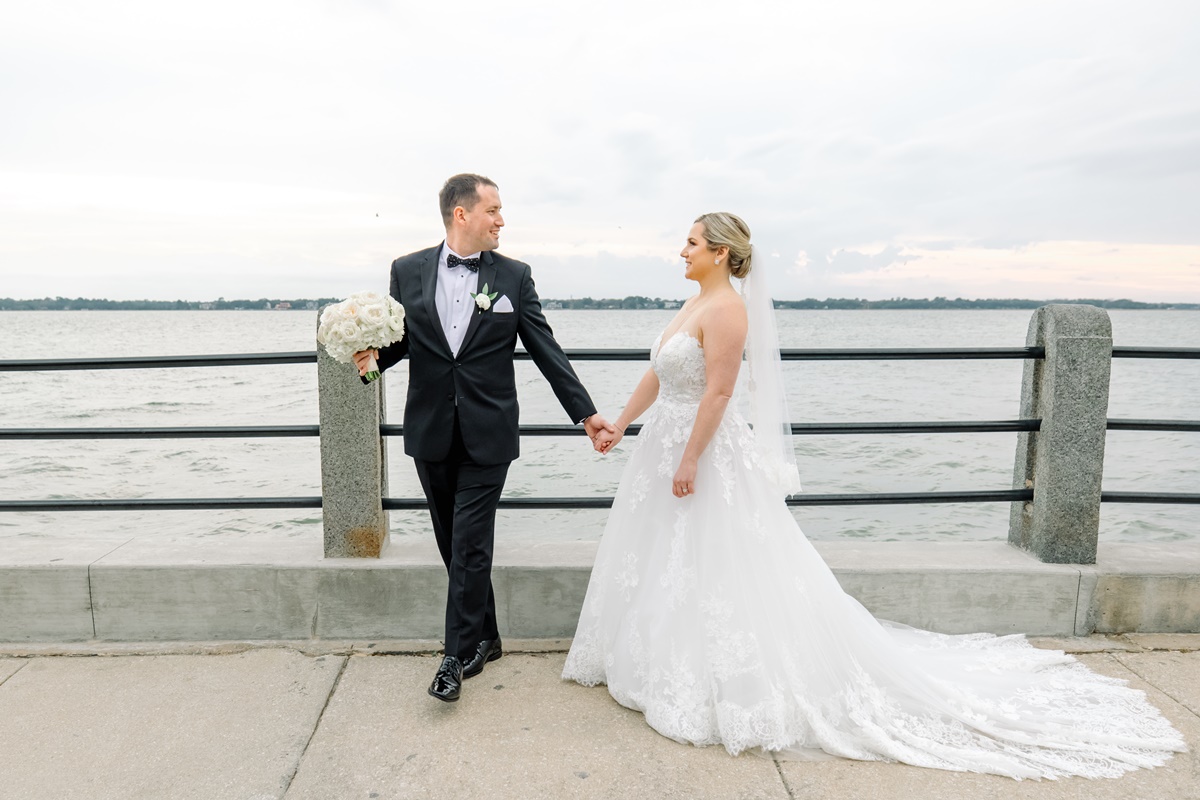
[{"x": 453, "y": 300}]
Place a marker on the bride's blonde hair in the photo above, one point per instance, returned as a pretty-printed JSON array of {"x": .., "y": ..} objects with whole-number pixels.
[{"x": 723, "y": 228}]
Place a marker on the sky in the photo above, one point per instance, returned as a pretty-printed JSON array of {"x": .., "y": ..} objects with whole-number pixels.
[{"x": 903, "y": 148}]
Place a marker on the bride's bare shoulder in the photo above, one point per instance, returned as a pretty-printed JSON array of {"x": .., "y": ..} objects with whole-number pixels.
[
  {"x": 725, "y": 319},
  {"x": 729, "y": 308}
]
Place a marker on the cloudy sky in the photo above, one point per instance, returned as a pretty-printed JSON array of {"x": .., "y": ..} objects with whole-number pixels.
[{"x": 877, "y": 149}]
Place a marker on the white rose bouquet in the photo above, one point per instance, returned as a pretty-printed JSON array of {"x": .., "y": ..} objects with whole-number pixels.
[{"x": 363, "y": 321}]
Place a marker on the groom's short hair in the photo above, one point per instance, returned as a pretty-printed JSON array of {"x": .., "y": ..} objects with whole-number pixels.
[{"x": 461, "y": 190}]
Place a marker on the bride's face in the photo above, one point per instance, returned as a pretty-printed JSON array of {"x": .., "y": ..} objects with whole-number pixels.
[{"x": 697, "y": 258}]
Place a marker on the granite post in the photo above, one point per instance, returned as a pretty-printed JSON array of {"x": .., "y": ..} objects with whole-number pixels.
[
  {"x": 353, "y": 461},
  {"x": 1063, "y": 462}
]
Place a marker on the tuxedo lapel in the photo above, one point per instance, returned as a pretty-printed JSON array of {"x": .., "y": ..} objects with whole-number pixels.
[
  {"x": 487, "y": 277},
  {"x": 429, "y": 294}
]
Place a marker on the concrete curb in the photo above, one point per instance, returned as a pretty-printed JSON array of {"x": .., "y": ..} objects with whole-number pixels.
[
  {"x": 1097, "y": 643},
  {"x": 171, "y": 590}
]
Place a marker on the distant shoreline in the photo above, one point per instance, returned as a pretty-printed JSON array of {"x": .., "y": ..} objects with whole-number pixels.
[{"x": 632, "y": 303}]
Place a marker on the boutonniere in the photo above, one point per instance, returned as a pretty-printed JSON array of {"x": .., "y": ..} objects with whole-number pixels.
[{"x": 483, "y": 300}]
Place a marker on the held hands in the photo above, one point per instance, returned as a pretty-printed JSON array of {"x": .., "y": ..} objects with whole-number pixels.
[
  {"x": 601, "y": 432},
  {"x": 362, "y": 358},
  {"x": 606, "y": 441}
]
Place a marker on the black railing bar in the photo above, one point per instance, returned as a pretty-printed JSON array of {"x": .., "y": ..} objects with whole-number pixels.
[
  {"x": 798, "y": 428},
  {"x": 890, "y": 498},
  {"x": 197, "y": 432},
  {"x": 161, "y": 504},
  {"x": 1155, "y": 352},
  {"x": 812, "y": 428},
  {"x": 397, "y": 504},
  {"x": 1168, "y": 498},
  {"x": 911, "y": 353},
  {"x": 966, "y": 426},
  {"x": 1153, "y": 425},
  {"x": 910, "y": 498},
  {"x": 159, "y": 362},
  {"x": 527, "y": 503},
  {"x": 832, "y": 354},
  {"x": 639, "y": 354}
]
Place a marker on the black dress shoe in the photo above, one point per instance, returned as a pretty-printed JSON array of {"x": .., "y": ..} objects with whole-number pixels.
[
  {"x": 447, "y": 684},
  {"x": 488, "y": 650}
]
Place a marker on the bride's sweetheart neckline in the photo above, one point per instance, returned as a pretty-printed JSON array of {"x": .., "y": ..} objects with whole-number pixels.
[{"x": 660, "y": 344}]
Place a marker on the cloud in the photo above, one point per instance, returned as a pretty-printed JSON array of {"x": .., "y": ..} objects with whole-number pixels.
[
  {"x": 257, "y": 142},
  {"x": 844, "y": 261}
]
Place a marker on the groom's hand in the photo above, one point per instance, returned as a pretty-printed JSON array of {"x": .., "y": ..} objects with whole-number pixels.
[
  {"x": 595, "y": 425},
  {"x": 606, "y": 441},
  {"x": 362, "y": 358}
]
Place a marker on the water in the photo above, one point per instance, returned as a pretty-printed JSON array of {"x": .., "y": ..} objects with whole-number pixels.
[{"x": 818, "y": 391}]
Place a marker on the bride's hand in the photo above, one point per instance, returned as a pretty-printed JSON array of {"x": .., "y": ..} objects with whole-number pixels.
[
  {"x": 684, "y": 483},
  {"x": 606, "y": 441},
  {"x": 362, "y": 358}
]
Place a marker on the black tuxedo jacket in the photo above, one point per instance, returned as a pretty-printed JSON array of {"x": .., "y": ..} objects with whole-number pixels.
[{"x": 479, "y": 383}]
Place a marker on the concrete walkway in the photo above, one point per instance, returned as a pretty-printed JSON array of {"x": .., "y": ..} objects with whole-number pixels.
[{"x": 352, "y": 720}]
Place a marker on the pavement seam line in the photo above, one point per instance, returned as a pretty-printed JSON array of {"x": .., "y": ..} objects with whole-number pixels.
[
  {"x": 91, "y": 601},
  {"x": 1078, "y": 602},
  {"x": 91, "y": 595},
  {"x": 287, "y": 786},
  {"x": 18, "y": 669},
  {"x": 779, "y": 769},
  {"x": 1183, "y": 705}
]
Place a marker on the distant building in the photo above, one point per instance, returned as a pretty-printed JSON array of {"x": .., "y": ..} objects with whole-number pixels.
[
  {"x": 207, "y": 306},
  {"x": 670, "y": 304},
  {"x": 552, "y": 305},
  {"x": 283, "y": 305}
]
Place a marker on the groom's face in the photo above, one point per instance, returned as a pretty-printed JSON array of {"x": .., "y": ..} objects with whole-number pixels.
[{"x": 482, "y": 223}]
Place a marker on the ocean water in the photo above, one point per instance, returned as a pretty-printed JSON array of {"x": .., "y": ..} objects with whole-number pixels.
[{"x": 566, "y": 466}]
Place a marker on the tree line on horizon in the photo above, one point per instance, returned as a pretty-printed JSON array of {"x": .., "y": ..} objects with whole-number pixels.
[{"x": 631, "y": 302}]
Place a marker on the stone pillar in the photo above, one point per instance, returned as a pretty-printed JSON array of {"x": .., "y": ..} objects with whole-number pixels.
[
  {"x": 353, "y": 461},
  {"x": 1063, "y": 462}
]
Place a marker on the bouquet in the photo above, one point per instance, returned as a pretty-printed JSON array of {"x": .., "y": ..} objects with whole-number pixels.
[{"x": 363, "y": 321}]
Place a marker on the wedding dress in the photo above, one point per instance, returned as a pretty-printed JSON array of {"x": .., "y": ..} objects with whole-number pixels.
[{"x": 715, "y": 617}]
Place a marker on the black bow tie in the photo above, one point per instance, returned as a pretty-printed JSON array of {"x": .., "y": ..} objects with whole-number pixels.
[{"x": 453, "y": 261}]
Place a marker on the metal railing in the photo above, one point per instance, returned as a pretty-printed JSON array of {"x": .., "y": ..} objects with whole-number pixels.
[{"x": 391, "y": 503}]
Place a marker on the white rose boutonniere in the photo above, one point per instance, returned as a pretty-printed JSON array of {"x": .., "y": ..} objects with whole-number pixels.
[{"x": 483, "y": 300}]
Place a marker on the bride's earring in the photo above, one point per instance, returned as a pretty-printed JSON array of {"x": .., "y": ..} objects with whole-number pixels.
[{"x": 718, "y": 262}]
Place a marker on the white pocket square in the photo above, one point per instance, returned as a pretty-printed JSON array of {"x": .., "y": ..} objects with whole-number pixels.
[{"x": 502, "y": 306}]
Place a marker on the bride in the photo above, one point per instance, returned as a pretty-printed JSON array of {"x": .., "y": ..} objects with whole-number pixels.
[{"x": 711, "y": 613}]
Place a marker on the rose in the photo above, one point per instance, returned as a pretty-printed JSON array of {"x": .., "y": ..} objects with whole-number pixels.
[
  {"x": 395, "y": 313},
  {"x": 483, "y": 300},
  {"x": 375, "y": 316},
  {"x": 364, "y": 321}
]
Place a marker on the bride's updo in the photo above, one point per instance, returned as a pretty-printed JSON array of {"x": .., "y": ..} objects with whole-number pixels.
[{"x": 723, "y": 228}]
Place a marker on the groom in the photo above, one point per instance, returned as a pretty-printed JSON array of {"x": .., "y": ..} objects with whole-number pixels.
[{"x": 465, "y": 305}]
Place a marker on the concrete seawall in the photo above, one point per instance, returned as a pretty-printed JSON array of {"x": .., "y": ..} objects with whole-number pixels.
[
  {"x": 170, "y": 589},
  {"x": 1052, "y": 577}
]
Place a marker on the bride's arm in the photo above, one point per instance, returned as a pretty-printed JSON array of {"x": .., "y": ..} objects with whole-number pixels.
[
  {"x": 647, "y": 389},
  {"x": 724, "y": 332},
  {"x": 641, "y": 399}
]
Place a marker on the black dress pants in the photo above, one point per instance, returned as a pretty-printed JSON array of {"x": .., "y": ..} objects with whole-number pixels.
[{"x": 462, "y": 499}]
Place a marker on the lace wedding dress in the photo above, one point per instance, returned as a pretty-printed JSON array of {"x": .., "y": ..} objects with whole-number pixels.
[{"x": 714, "y": 616}]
